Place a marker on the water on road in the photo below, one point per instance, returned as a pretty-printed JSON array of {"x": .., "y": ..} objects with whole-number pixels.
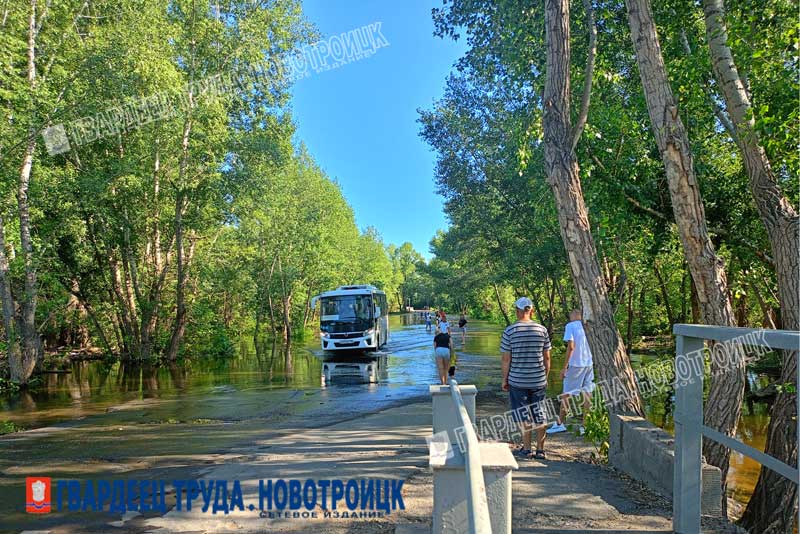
[{"x": 120, "y": 420}]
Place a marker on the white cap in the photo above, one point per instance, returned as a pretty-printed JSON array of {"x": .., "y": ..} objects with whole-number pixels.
[{"x": 523, "y": 302}]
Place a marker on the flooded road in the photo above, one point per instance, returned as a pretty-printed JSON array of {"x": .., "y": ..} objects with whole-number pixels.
[{"x": 123, "y": 421}]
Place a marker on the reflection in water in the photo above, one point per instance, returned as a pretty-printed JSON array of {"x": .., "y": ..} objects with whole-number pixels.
[{"x": 363, "y": 369}]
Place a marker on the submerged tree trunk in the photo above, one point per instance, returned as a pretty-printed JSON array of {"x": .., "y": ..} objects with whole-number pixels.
[
  {"x": 19, "y": 374},
  {"x": 25, "y": 347},
  {"x": 179, "y": 326},
  {"x": 727, "y": 384},
  {"x": 771, "y": 507},
  {"x": 560, "y": 139}
]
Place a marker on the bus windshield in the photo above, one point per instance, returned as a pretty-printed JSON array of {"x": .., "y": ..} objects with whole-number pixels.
[{"x": 346, "y": 313}]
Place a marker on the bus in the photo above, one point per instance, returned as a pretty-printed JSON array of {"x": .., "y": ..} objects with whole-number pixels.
[{"x": 353, "y": 317}]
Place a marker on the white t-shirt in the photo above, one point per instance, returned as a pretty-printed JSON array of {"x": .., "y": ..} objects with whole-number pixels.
[
  {"x": 581, "y": 355},
  {"x": 443, "y": 326}
]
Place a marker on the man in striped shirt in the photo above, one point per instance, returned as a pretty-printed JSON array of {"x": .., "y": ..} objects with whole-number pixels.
[{"x": 526, "y": 363}]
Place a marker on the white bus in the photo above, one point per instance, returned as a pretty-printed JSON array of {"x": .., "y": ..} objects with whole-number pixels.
[{"x": 353, "y": 318}]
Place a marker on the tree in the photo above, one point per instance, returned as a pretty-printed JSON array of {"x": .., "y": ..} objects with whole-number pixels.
[
  {"x": 771, "y": 507},
  {"x": 723, "y": 407},
  {"x": 560, "y": 139}
]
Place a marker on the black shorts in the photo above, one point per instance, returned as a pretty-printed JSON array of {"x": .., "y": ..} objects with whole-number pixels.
[{"x": 527, "y": 404}]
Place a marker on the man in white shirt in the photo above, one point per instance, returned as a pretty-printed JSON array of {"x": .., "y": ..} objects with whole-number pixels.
[{"x": 578, "y": 372}]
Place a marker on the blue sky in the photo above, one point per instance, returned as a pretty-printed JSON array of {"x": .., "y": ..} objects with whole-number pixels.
[{"x": 359, "y": 120}]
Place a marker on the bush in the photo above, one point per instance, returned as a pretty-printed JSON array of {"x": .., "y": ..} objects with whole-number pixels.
[
  {"x": 598, "y": 430},
  {"x": 8, "y": 427}
]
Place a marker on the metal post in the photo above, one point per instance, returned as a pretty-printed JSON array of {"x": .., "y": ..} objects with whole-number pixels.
[{"x": 686, "y": 493}]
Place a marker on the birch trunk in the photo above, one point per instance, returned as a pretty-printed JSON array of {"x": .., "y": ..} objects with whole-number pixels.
[
  {"x": 24, "y": 358},
  {"x": 561, "y": 165},
  {"x": 723, "y": 407}
]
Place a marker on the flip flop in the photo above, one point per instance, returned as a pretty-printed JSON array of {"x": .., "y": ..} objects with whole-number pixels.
[{"x": 539, "y": 455}]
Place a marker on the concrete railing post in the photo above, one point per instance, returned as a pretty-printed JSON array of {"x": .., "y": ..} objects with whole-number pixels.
[
  {"x": 686, "y": 498},
  {"x": 471, "y": 480}
]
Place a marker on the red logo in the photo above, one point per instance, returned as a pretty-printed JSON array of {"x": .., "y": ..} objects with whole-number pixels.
[{"x": 37, "y": 495}]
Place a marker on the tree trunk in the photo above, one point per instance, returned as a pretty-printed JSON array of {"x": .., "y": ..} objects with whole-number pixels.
[
  {"x": 31, "y": 342},
  {"x": 741, "y": 310},
  {"x": 287, "y": 317},
  {"x": 771, "y": 507},
  {"x": 683, "y": 293},
  {"x": 551, "y": 300},
  {"x": 629, "y": 333},
  {"x": 29, "y": 352},
  {"x": 562, "y": 174},
  {"x": 19, "y": 373},
  {"x": 179, "y": 327},
  {"x": 766, "y": 310},
  {"x": 500, "y": 303},
  {"x": 75, "y": 333},
  {"x": 695, "y": 305},
  {"x": 562, "y": 298},
  {"x": 727, "y": 384},
  {"x": 537, "y": 306},
  {"x": 286, "y": 301},
  {"x": 665, "y": 295}
]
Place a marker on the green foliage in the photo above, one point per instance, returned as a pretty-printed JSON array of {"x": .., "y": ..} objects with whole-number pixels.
[
  {"x": 8, "y": 427},
  {"x": 7, "y": 386},
  {"x": 487, "y": 133},
  {"x": 597, "y": 430}
]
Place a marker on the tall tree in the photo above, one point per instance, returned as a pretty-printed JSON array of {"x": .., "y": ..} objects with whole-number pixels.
[
  {"x": 770, "y": 509},
  {"x": 560, "y": 140},
  {"x": 707, "y": 268}
]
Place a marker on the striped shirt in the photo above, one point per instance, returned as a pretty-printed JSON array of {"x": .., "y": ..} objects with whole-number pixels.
[{"x": 526, "y": 342}]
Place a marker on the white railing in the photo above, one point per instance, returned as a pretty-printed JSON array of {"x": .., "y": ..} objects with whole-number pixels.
[
  {"x": 689, "y": 427},
  {"x": 477, "y": 503}
]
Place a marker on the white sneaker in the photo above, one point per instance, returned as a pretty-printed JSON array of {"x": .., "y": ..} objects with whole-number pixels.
[
  {"x": 582, "y": 431},
  {"x": 556, "y": 428}
]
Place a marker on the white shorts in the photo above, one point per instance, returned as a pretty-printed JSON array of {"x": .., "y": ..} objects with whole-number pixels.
[
  {"x": 443, "y": 353},
  {"x": 579, "y": 379}
]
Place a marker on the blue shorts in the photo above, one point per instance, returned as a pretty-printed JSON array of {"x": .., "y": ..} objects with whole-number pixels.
[
  {"x": 527, "y": 404},
  {"x": 443, "y": 352}
]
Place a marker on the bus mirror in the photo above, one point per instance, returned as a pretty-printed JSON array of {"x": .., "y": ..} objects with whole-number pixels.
[{"x": 314, "y": 301}]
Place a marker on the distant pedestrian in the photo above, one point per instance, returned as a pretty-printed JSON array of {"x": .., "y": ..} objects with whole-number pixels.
[
  {"x": 526, "y": 363},
  {"x": 444, "y": 326},
  {"x": 427, "y": 321},
  {"x": 462, "y": 324},
  {"x": 441, "y": 350},
  {"x": 578, "y": 372}
]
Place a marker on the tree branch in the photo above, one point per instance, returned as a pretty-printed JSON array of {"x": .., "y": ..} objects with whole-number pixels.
[
  {"x": 577, "y": 129},
  {"x": 718, "y": 111}
]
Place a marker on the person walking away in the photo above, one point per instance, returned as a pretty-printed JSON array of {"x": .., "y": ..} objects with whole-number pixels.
[
  {"x": 462, "y": 324},
  {"x": 525, "y": 348},
  {"x": 441, "y": 351},
  {"x": 578, "y": 372},
  {"x": 427, "y": 321}
]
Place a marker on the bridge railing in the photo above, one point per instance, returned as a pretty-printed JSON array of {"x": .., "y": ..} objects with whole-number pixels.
[
  {"x": 477, "y": 503},
  {"x": 689, "y": 427}
]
